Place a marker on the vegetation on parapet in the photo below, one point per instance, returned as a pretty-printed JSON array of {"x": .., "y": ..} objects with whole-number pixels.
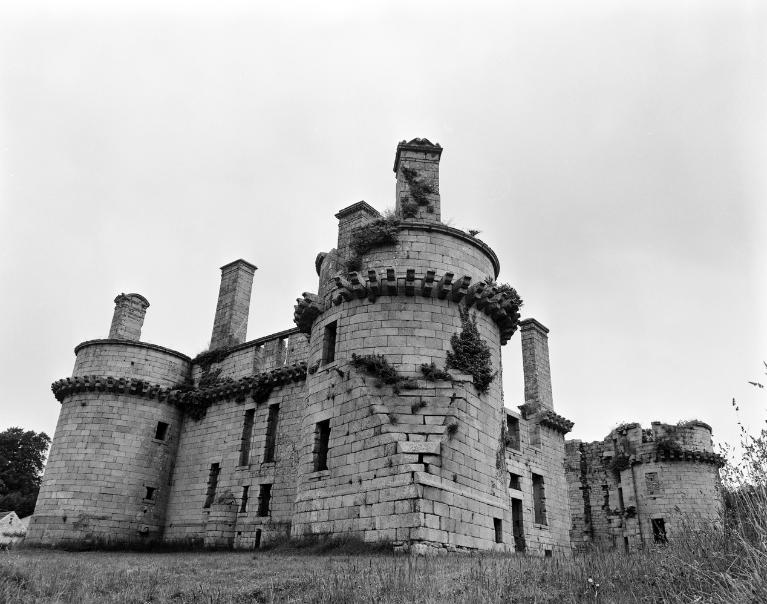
[{"x": 371, "y": 235}]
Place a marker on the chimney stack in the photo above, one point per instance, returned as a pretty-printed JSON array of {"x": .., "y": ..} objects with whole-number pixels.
[
  {"x": 128, "y": 319},
  {"x": 417, "y": 168},
  {"x": 535, "y": 361},
  {"x": 231, "y": 324}
]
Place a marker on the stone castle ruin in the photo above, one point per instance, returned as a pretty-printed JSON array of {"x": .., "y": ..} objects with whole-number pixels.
[{"x": 380, "y": 415}]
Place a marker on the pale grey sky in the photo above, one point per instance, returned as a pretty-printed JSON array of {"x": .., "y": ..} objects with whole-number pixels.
[{"x": 612, "y": 154}]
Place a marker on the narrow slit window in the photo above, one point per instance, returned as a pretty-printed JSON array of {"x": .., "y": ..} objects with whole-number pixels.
[
  {"x": 271, "y": 433},
  {"x": 212, "y": 484},
  {"x": 244, "y": 499},
  {"x": 247, "y": 434},
  {"x": 498, "y": 527},
  {"x": 512, "y": 432},
  {"x": 321, "y": 444},
  {"x": 264, "y": 497},
  {"x": 161, "y": 431},
  {"x": 329, "y": 343},
  {"x": 539, "y": 499}
]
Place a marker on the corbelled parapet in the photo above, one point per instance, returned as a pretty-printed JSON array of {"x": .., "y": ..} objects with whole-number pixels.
[
  {"x": 231, "y": 323},
  {"x": 417, "y": 168},
  {"x": 128, "y": 319},
  {"x": 535, "y": 361}
]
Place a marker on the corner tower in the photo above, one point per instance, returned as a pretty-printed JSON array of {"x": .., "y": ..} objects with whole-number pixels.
[
  {"x": 106, "y": 480},
  {"x": 404, "y": 422}
]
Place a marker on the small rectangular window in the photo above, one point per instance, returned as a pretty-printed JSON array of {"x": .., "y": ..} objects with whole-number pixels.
[
  {"x": 605, "y": 497},
  {"x": 539, "y": 499},
  {"x": 498, "y": 526},
  {"x": 652, "y": 483},
  {"x": 547, "y": 553},
  {"x": 329, "y": 343},
  {"x": 271, "y": 433},
  {"x": 659, "y": 530},
  {"x": 620, "y": 499},
  {"x": 512, "y": 432},
  {"x": 321, "y": 444},
  {"x": 212, "y": 484},
  {"x": 515, "y": 481},
  {"x": 264, "y": 496},
  {"x": 247, "y": 434},
  {"x": 244, "y": 500},
  {"x": 149, "y": 494},
  {"x": 161, "y": 432}
]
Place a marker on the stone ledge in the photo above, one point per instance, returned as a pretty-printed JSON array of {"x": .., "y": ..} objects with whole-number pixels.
[
  {"x": 131, "y": 343},
  {"x": 430, "y": 448}
]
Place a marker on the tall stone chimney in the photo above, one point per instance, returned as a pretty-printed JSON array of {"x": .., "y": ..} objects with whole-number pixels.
[
  {"x": 231, "y": 324},
  {"x": 130, "y": 310},
  {"x": 349, "y": 219},
  {"x": 535, "y": 362},
  {"x": 417, "y": 168}
]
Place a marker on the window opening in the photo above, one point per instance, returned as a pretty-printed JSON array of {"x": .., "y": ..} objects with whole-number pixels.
[
  {"x": 212, "y": 484},
  {"x": 539, "y": 499},
  {"x": 515, "y": 481},
  {"x": 149, "y": 495},
  {"x": 264, "y": 496},
  {"x": 659, "y": 530},
  {"x": 247, "y": 434},
  {"x": 244, "y": 500},
  {"x": 329, "y": 343},
  {"x": 498, "y": 526},
  {"x": 161, "y": 432},
  {"x": 512, "y": 432},
  {"x": 516, "y": 525},
  {"x": 321, "y": 444},
  {"x": 271, "y": 433}
]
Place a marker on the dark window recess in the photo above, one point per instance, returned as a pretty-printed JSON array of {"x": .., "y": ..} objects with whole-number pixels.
[
  {"x": 626, "y": 544},
  {"x": 329, "y": 343},
  {"x": 620, "y": 499},
  {"x": 498, "y": 526},
  {"x": 244, "y": 500},
  {"x": 606, "y": 497},
  {"x": 161, "y": 432},
  {"x": 515, "y": 481},
  {"x": 271, "y": 433},
  {"x": 321, "y": 444},
  {"x": 212, "y": 484},
  {"x": 516, "y": 525},
  {"x": 512, "y": 432},
  {"x": 547, "y": 553},
  {"x": 659, "y": 530},
  {"x": 149, "y": 495},
  {"x": 247, "y": 434},
  {"x": 539, "y": 499},
  {"x": 258, "y": 539},
  {"x": 264, "y": 497}
]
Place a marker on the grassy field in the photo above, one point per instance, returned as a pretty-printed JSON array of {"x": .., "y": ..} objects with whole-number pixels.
[{"x": 28, "y": 575}]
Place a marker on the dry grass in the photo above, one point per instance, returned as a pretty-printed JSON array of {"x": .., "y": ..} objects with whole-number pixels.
[{"x": 714, "y": 566}]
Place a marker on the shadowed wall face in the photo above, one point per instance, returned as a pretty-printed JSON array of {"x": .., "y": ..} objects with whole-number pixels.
[
  {"x": 128, "y": 319},
  {"x": 231, "y": 323}
]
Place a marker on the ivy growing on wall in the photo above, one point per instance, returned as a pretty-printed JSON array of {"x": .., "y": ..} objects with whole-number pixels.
[
  {"x": 419, "y": 193},
  {"x": 470, "y": 353}
]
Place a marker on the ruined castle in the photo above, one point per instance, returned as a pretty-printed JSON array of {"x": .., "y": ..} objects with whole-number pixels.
[{"x": 380, "y": 415}]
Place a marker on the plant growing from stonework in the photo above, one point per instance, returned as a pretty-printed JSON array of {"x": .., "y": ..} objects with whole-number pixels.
[
  {"x": 377, "y": 233},
  {"x": 419, "y": 194},
  {"x": 433, "y": 373},
  {"x": 377, "y": 366},
  {"x": 470, "y": 353},
  {"x": 507, "y": 290}
]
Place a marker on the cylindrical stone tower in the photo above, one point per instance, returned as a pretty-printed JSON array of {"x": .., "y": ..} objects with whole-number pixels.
[
  {"x": 106, "y": 480},
  {"x": 393, "y": 451}
]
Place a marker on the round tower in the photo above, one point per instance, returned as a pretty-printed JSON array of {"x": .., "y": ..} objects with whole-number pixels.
[
  {"x": 106, "y": 480},
  {"x": 404, "y": 399}
]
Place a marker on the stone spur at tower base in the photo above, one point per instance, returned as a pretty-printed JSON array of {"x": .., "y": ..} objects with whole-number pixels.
[{"x": 379, "y": 416}]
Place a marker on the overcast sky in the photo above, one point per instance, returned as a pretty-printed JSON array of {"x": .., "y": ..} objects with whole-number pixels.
[{"x": 613, "y": 155}]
